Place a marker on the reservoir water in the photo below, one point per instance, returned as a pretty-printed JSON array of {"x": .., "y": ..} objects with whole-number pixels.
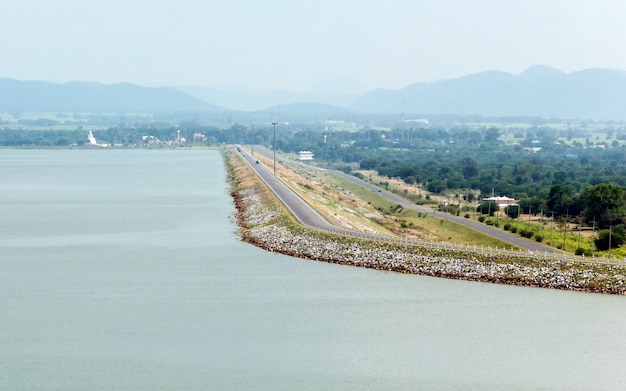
[{"x": 123, "y": 270}]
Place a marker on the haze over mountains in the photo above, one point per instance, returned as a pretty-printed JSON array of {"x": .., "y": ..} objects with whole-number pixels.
[
  {"x": 539, "y": 91},
  {"x": 39, "y": 96}
]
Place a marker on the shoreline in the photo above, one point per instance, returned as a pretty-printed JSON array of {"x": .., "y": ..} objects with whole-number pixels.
[{"x": 264, "y": 223}]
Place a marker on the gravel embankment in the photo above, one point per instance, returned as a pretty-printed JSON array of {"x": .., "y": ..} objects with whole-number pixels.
[{"x": 263, "y": 226}]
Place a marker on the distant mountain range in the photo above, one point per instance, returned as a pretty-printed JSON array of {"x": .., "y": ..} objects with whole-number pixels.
[
  {"x": 39, "y": 96},
  {"x": 539, "y": 91},
  {"x": 245, "y": 101}
]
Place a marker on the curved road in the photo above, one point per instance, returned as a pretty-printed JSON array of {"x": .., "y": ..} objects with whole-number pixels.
[
  {"x": 299, "y": 208},
  {"x": 501, "y": 235},
  {"x": 306, "y": 215}
]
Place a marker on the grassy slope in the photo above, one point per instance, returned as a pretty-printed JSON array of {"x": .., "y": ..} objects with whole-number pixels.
[{"x": 351, "y": 206}]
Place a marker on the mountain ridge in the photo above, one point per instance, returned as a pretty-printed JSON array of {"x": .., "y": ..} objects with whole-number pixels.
[
  {"x": 539, "y": 91},
  {"x": 87, "y": 96}
]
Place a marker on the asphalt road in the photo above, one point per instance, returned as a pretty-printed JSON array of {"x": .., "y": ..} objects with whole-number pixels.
[
  {"x": 300, "y": 209},
  {"x": 502, "y": 235},
  {"x": 306, "y": 215}
]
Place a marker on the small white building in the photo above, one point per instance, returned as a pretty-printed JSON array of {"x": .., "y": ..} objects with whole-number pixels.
[
  {"x": 305, "y": 155},
  {"x": 502, "y": 202}
]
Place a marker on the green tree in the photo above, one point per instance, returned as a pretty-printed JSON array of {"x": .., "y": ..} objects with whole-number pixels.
[
  {"x": 512, "y": 211},
  {"x": 436, "y": 186},
  {"x": 469, "y": 168},
  {"x": 489, "y": 207},
  {"x": 561, "y": 200},
  {"x": 368, "y": 164},
  {"x": 604, "y": 203},
  {"x": 492, "y": 134},
  {"x": 610, "y": 238}
]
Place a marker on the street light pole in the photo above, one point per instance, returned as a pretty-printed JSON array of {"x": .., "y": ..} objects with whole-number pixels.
[
  {"x": 274, "y": 123},
  {"x": 252, "y": 141}
]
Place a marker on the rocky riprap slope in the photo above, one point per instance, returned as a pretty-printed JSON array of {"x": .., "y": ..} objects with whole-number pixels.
[{"x": 264, "y": 224}]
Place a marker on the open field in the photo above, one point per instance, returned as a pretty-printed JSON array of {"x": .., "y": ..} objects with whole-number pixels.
[
  {"x": 567, "y": 238},
  {"x": 41, "y": 121}
]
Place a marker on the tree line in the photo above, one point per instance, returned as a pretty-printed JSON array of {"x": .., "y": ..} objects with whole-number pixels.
[
  {"x": 575, "y": 181},
  {"x": 546, "y": 169}
]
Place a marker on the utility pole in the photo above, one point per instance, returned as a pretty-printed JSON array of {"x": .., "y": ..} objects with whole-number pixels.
[
  {"x": 497, "y": 213},
  {"x": 593, "y": 235},
  {"x": 610, "y": 232},
  {"x": 580, "y": 222},
  {"x": 274, "y": 123},
  {"x": 551, "y": 228},
  {"x": 565, "y": 230},
  {"x": 252, "y": 140}
]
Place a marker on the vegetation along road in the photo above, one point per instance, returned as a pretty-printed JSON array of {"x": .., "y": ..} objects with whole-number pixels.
[
  {"x": 306, "y": 215},
  {"x": 302, "y": 211},
  {"x": 502, "y": 235}
]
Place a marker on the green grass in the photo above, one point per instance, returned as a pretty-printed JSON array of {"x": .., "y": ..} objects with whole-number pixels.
[{"x": 442, "y": 229}]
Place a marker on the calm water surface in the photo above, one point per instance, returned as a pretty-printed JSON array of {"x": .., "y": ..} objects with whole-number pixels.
[{"x": 123, "y": 270}]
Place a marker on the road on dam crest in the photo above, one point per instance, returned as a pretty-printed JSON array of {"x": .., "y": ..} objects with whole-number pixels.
[{"x": 306, "y": 215}]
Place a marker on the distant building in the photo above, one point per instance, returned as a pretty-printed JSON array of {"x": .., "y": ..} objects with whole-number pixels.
[
  {"x": 305, "y": 155},
  {"x": 93, "y": 141},
  {"x": 151, "y": 140},
  {"x": 199, "y": 137},
  {"x": 421, "y": 121},
  {"x": 502, "y": 202},
  {"x": 91, "y": 138}
]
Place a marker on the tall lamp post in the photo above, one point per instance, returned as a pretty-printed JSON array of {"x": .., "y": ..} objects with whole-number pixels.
[
  {"x": 274, "y": 123},
  {"x": 252, "y": 141}
]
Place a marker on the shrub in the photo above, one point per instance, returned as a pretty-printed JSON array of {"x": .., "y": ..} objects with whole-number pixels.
[
  {"x": 452, "y": 209},
  {"x": 615, "y": 237},
  {"x": 526, "y": 233},
  {"x": 539, "y": 238},
  {"x": 513, "y": 229},
  {"x": 481, "y": 218},
  {"x": 507, "y": 226},
  {"x": 583, "y": 251},
  {"x": 488, "y": 208},
  {"x": 512, "y": 211},
  {"x": 467, "y": 215}
]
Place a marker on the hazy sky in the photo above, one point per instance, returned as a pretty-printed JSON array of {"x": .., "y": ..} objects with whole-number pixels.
[{"x": 295, "y": 44}]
